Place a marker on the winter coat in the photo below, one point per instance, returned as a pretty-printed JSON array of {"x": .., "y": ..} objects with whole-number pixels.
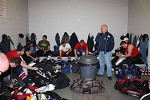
[
  {"x": 5, "y": 44},
  {"x": 73, "y": 40},
  {"x": 90, "y": 42},
  {"x": 65, "y": 38},
  {"x": 57, "y": 39}
]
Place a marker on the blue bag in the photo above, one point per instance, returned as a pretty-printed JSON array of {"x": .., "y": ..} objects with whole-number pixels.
[{"x": 66, "y": 67}]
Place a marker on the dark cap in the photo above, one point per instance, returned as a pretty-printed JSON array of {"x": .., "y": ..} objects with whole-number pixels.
[
  {"x": 82, "y": 41},
  {"x": 20, "y": 47},
  {"x": 45, "y": 36}
]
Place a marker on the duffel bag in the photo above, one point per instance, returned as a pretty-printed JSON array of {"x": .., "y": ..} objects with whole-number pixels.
[{"x": 87, "y": 86}]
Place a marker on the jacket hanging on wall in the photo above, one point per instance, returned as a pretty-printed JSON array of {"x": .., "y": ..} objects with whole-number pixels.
[
  {"x": 143, "y": 46},
  {"x": 97, "y": 41},
  {"x": 90, "y": 42},
  {"x": 21, "y": 39},
  {"x": 33, "y": 39},
  {"x": 65, "y": 38},
  {"x": 73, "y": 40},
  {"x": 57, "y": 39},
  {"x": 128, "y": 35},
  {"x": 130, "y": 38},
  {"x": 27, "y": 38},
  {"x": 33, "y": 43},
  {"x": 136, "y": 40},
  {"x": 5, "y": 44}
]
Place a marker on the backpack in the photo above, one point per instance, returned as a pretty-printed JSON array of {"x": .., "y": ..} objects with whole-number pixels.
[
  {"x": 60, "y": 80},
  {"x": 132, "y": 87},
  {"x": 75, "y": 66},
  {"x": 65, "y": 67},
  {"x": 87, "y": 86},
  {"x": 127, "y": 72}
]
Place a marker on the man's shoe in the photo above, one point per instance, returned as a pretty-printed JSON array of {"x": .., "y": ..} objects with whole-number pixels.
[
  {"x": 109, "y": 78},
  {"x": 99, "y": 75}
]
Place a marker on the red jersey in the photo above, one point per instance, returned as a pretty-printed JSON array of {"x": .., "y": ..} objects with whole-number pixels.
[
  {"x": 78, "y": 46},
  {"x": 134, "y": 52},
  {"x": 12, "y": 54}
]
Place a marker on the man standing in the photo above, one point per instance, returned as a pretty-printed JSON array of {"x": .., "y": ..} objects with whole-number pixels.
[{"x": 106, "y": 45}]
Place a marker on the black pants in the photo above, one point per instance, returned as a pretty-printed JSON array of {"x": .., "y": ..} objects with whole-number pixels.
[
  {"x": 28, "y": 59},
  {"x": 137, "y": 59},
  {"x": 41, "y": 53}
]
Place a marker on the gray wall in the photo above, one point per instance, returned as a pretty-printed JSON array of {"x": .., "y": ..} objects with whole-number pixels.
[
  {"x": 80, "y": 16},
  {"x": 139, "y": 18},
  {"x": 16, "y": 20}
]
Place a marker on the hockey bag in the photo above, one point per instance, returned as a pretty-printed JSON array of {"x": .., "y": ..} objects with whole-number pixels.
[
  {"x": 87, "y": 86},
  {"x": 132, "y": 87}
]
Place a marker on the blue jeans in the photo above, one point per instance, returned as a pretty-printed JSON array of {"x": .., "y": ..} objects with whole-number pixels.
[
  {"x": 105, "y": 58},
  {"x": 81, "y": 52}
]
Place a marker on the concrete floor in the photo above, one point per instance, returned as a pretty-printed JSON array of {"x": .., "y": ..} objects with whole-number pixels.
[{"x": 109, "y": 94}]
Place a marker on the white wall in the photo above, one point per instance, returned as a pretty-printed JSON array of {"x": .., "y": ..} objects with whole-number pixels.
[
  {"x": 139, "y": 18},
  {"x": 16, "y": 20},
  {"x": 80, "y": 16}
]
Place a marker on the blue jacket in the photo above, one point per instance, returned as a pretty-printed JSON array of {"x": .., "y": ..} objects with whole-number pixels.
[{"x": 106, "y": 42}]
